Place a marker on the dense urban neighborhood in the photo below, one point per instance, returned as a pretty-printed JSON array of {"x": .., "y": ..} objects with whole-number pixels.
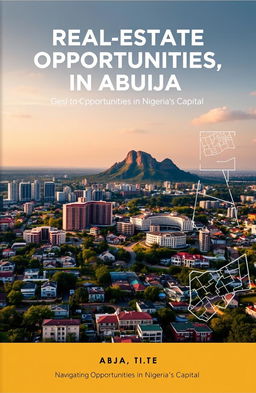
[{"x": 113, "y": 262}]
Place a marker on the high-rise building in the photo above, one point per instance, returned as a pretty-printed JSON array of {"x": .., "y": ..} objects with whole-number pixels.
[
  {"x": 28, "y": 208},
  {"x": 204, "y": 240},
  {"x": 25, "y": 192},
  {"x": 88, "y": 194},
  {"x": 49, "y": 191},
  {"x": 36, "y": 191},
  {"x": 78, "y": 216},
  {"x": 13, "y": 191},
  {"x": 1, "y": 203},
  {"x": 97, "y": 195},
  {"x": 61, "y": 196},
  {"x": 231, "y": 212}
]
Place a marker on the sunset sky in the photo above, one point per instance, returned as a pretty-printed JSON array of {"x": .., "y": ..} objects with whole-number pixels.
[{"x": 37, "y": 133}]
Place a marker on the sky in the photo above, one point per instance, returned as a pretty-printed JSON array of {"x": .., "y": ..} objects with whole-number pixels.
[{"x": 37, "y": 133}]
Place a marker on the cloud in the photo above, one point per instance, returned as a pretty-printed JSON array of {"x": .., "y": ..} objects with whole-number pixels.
[
  {"x": 26, "y": 90},
  {"x": 253, "y": 93},
  {"x": 254, "y": 140},
  {"x": 223, "y": 114},
  {"x": 21, "y": 116},
  {"x": 135, "y": 131}
]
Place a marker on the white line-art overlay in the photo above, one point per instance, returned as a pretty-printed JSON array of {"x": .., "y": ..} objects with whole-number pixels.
[
  {"x": 217, "y": 151},
  {"x": 212, "y": 291}
]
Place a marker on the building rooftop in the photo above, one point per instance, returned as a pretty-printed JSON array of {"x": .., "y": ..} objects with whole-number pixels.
[
  {"x": 133, "y": 315},
  {"x": 184, "y": 326},
  {"x": 151, "y": 328},
  {"x": 61, "y": 322}
]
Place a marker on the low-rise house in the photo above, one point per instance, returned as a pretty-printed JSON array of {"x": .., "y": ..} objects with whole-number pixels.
[
  {"x": 106, "y": 256},
  {"x": 61, "y": 330},
  {"x": 107, "y": 324},
  {"x": 189, "y": 331},
  {"x": 60, "y": 310},
  {"x": 231, "y": 300},
  {"x": 49, "y": 289},
  {"x": 129, "y": 320},
  {"x": 152, "y": 333},
  {"x": 67, "y": 261},
  {"x": 113, "y": 239},
  {"x": 251, "y": 310},
  {"x": 31, "y": 274},
  {"x": 189, "y": 260},
  {"x": 146, "y": 307},
  {"x": 123, "y": 285},
  {"x": 6, "y": 277},
  {"x": 94, "y": 231},
  {"x": 28, "y": 290},
  {"x": 96, "y": 294},
  {"x": 8, "y": 252},
  {"x": 6, "y": 223},
  {"x": 6, "y": 266},
  {"x": 49, "y": 263},
  {"x": 178, "y": 293},
  {"x": 179, "y": 306},
  {"x": 138, "y": 287}
]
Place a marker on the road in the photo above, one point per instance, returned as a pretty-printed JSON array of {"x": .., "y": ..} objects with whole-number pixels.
[{"x": 130, "y": 250}]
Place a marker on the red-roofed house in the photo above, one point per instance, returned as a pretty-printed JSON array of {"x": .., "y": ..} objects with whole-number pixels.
[
  {"x": 61, "y": 330},
  {"x": 189, "y": 260},
  {"x": 139, "y": 287},
  {"x": 6, "y": 277},
  {"x": 251, "y": 310},
  {"x": 129, "y": 320},
  {"x": 107, "y": 324},
  {"x": 6, "y": 223},
  {"x": 8, "y": 252}
]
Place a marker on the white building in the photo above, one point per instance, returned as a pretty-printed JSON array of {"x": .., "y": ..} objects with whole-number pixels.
[
  {"x": 142, "y": 222},
  {"x": 28, "y": 208},
  {"x": 150, "y": 333},
  {"x": 13, "y": 191},
  {"x": 204, "y": 240},
  {"x": 28, "y": 290},
  {"x": 47, "y": 234},
  {"x": 166, "y": 239},
  {"x": 106, "y": 256},
  {"x": 96, "y": 294},
  {"x": 49, "y": 289},
  {"x": 60, "y": 330}
]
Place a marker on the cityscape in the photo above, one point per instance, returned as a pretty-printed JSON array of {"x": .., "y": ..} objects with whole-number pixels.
[{"x": 115, "y": 261}]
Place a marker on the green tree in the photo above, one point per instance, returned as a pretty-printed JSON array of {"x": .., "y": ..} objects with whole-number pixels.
[
  {"x": 165, "y": 316},
  {"x": 14, "y": 297},
  {"x": 35, "y": 315},
  {"x": 17, "y": 285},
  {"x": 80, "y": 296},
  {"x": 113, "y": 294},
  {"x": 65, "y": 281},
  {"x": 102, "y": 275},
  {"x": 9, "y": 318},
  {"x": 152, "y": 293},
  {"x": 17, "y": 335},
  {"x": 20, "y": 263}
]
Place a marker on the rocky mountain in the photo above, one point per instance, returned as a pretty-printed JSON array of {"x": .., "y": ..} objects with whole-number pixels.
[{"x": 139, "y": 166}]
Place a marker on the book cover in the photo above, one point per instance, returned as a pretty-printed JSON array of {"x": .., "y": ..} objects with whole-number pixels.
[{"x": 128, "y": 197}]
